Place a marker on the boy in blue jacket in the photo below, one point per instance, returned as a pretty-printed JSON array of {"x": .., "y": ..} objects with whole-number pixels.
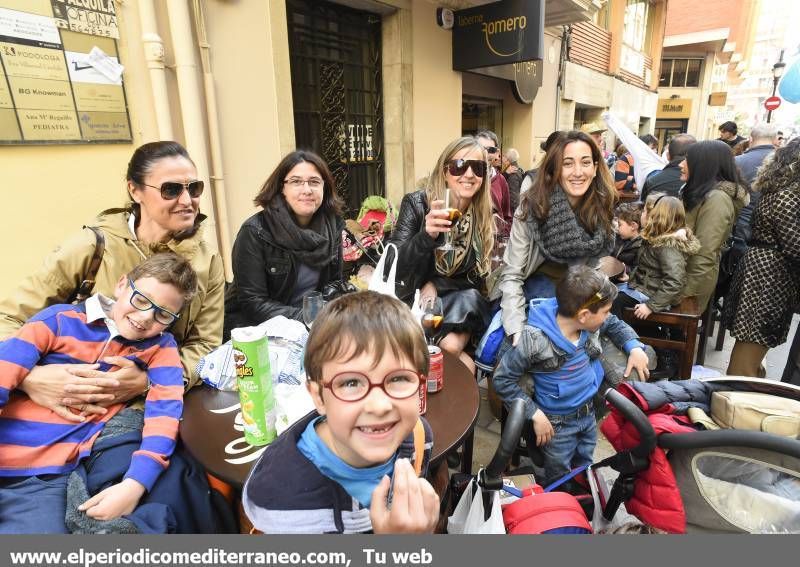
[{"x": 560, "y": 349}]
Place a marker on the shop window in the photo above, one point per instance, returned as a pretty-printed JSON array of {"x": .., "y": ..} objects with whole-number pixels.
[{"x": 478, "y": 113}]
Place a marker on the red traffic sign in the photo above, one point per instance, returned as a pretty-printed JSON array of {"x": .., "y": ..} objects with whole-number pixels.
[{"x": 772, "y": 102}]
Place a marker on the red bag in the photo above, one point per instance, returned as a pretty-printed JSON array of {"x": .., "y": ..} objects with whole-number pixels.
[{"x": 546, "y": 513}]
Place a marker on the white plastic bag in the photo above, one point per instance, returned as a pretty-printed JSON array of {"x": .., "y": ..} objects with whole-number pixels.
[
  {"x": 601, "y": 486},
  {"x": 468, "y": 518},
  {"x": 291, "y": 403},
  {"x": 377, "y": 283}
]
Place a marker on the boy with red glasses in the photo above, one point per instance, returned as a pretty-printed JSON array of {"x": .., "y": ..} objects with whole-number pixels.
[
  {"x": 41, "y": 449},
  {"x": 331, "y": 472}
]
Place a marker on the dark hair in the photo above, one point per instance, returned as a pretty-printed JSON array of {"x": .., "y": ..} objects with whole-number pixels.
[
  {"x": 630, "y": 212},
  {"x": 583, "y": 287},
  {"x": 146, "y": 156},
  {"x": 168, "y": 268},
  {"x": 141, "y": 164},
  {"x": 271, "y": 189},
  {"x": 729, "y": 126},
  {"x": 710, "y": 162},
  {"x": 365, "y": 321},
  {"x": 596, "y": 208},
  {"x": 552, "y": 139},
  {"x": 649, "y": 139},
  {"x": 490, "y": 135},
  {"x": 679, "y": 144}
]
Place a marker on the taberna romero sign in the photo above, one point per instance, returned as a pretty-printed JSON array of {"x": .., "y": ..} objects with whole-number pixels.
[{"x": 500, "y": 33}]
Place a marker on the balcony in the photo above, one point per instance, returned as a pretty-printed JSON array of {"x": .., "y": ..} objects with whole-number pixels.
[{"x": 590, "y": 46}]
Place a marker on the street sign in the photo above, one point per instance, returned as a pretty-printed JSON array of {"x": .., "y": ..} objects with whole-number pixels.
[{"x": 772, "y": 103}]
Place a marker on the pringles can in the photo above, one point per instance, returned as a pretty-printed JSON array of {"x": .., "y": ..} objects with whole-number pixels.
[
  {"x": 436, "y": 372},
  {"x": 423, "y": 397},
  {"x": 254, "y": 380}
]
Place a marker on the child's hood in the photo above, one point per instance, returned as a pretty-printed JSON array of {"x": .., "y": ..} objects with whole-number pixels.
[
  {"x": 683, "y": 240},
  {"x": 542, "y": 315}
]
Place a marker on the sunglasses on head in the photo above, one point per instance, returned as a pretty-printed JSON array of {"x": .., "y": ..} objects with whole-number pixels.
[
  {"x": 597, "y": 298},
  {"x": 458, "y": 167},
  {"x": 171, "y": 190}
]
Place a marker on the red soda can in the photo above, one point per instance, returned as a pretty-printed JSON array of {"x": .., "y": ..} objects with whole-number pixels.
[
  {"x": 423, "y": 397},
  {"x": 436, "y": 372}
]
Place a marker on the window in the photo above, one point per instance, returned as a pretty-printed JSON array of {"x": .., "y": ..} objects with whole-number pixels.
[
  {"x": 680, "y": 73},
  {"x": 634, "y": 32}
]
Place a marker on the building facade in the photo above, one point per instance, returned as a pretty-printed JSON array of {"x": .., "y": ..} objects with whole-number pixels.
[{"x": 369, "y": 84}]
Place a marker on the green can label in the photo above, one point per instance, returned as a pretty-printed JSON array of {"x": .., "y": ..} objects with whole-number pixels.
[{"x": 254, "y": 380}]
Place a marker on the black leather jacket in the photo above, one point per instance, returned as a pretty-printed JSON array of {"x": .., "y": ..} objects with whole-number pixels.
[
  {"x": 266, "y": 274},
  {"x": 416, "y": 262}
]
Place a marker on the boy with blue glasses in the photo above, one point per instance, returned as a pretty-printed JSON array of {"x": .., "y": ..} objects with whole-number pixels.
[{"x": 39, "y": 448}]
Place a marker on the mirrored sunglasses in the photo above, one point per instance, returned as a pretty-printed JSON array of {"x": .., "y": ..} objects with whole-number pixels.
[{"x": 459, "y": 167}]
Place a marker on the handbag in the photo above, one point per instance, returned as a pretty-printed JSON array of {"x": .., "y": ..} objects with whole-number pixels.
[
  {"x": 84, "y": 289},
  {"x": 377, "y": 282}
]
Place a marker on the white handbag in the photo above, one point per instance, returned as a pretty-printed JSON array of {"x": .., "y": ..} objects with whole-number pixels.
[
  {"x": 468, "y": 517},
  {"x": 377, "y": 283}
]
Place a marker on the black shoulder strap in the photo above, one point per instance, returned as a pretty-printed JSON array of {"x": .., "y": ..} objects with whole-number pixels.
[{"x": 87, "y": 285}]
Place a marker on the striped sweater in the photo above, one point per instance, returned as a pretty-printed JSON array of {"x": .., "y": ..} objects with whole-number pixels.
[{"x": 34, "y": 440}]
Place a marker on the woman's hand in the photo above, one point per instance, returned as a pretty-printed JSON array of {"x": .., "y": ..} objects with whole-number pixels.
[
  {"x": 436, "y": 220},
  {"x": 427, "y": 292},
  {"x": 131, "y": 382},
  {"x": 414, "y": 508},
  {"x": 642, "y": 311},
  {"x": 46, "y": 386}
]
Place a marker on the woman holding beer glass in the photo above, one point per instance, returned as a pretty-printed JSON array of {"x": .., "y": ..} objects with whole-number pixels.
[{"x": 444, "y": 235}]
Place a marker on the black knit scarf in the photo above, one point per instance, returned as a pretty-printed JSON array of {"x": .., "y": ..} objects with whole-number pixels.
[
  {"x": 313, "y": 245},
  {"x": 563, "y": 238}
]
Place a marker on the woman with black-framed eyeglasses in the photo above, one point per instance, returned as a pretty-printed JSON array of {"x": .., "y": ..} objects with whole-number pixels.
[
  {"x": 458, "y": 188},
  {"x": 290, "y": 248},
  {"x": 163, "y": 214}
]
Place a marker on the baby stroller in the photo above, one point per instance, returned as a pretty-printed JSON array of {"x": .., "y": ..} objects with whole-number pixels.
[
  {"x": 540, "y": 510},
  {"x": 712, "y": 479}
]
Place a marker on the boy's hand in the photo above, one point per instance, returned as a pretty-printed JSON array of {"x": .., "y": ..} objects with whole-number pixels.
[
  {"x": 114, "y": 501},
  {"x": 415, "y": 506},
  {"x": 642, "y": 311},
  {"x": 542, "y": 428},
  {"x": 638, "y": 359}
]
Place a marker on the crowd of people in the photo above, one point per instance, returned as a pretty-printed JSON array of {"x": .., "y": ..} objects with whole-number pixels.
[{"x": 80, "y": 373}]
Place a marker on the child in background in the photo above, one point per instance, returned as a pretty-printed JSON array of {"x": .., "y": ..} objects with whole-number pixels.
[
  {"x": 657, "y": 282},
  {"x": 629, "y": 222},
  {"x": 40, "y": 448},
  {"x": 560, "y": 349},
  {"x": 331, "y": 471}
]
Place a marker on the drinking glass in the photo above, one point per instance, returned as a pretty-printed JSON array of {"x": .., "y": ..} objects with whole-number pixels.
[
  {"x": 432, "y": 316},
  {"x": 312, "y": 305},
  {"x": 453, "y": 214}
]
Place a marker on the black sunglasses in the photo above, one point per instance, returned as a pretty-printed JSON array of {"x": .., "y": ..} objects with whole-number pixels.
[
  {"x": 172, "y": 189},
  {"x": 459, "y": 167},
  {"x": 491, "y": 150}
]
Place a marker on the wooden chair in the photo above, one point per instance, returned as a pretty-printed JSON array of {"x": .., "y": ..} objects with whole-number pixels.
[{"x": 685, "y": 317}]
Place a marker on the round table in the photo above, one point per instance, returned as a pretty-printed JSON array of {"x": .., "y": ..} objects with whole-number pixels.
[{"x": 211, "y": 428}]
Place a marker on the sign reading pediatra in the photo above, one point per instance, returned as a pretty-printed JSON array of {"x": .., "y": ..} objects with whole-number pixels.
[
  {"x": 57, "y": 85},
  {"x": 500, "y": 33}
]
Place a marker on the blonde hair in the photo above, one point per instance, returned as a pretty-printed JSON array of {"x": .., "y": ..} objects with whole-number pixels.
[
  {"x": 481, "y": 202},
  {"x": 665, "y": 215}
]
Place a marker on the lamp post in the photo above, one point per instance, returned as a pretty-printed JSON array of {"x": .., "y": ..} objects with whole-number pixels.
[{"x": 777, "y": 73}]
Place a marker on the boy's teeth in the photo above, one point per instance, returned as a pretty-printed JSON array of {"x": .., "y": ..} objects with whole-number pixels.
[{"x": 374, "y": 429}]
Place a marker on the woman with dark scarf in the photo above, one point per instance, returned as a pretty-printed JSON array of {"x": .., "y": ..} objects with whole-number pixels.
[
  {"x": 291, "y": 248},
  {"x": 563, "y": 220},
  {"x": 457, "y": 276}
]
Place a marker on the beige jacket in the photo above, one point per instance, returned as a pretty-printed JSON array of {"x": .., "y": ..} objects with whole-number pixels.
[{"x": 199, "y": 328}]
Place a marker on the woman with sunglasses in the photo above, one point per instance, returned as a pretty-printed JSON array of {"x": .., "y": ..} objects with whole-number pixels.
[
  {"x": 290, "y": 248},
  {"x": 162, "y": 215},
  {"x": 457, "y": 276}
]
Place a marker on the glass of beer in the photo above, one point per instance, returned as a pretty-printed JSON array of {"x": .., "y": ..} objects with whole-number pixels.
[
  {"x": 432, "y": 316},
  {"x": 453, "y": 214}
]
